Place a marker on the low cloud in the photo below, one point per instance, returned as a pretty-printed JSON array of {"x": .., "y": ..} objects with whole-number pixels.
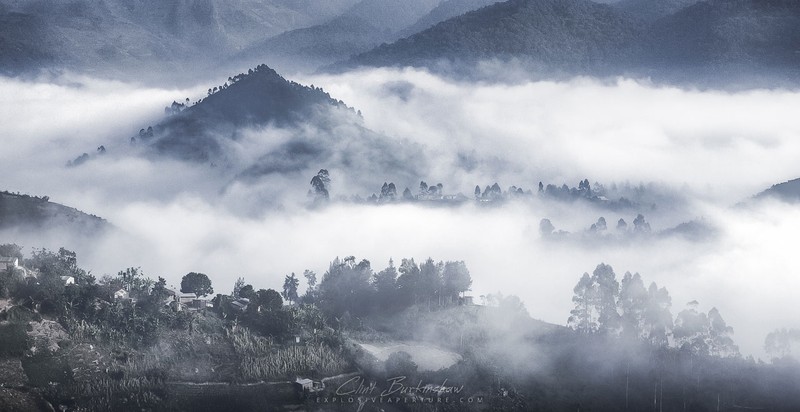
[
  {"x": 711, "y": 149},
  {"x": 726, "y": 145}
]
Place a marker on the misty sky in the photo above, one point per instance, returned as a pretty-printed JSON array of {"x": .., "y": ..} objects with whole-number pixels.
[{"x": 715, "y": 148}]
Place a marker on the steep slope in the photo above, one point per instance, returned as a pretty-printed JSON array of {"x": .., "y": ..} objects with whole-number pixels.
[
  {"x": 786, "y": 191},
  {"x": 29, "y": 212},
  {"x": 311, "y": 47},
  {"x": 391, "y": 15},
  {"x": 651, "y": 10},
  {"x": 23, "y": 42},
  {"x": 131, "y": 35},
  {"x": 734, "y": 34},
  {"x": 360, "y": 28},
  {"x": 259, "y": 98},
  {"x": 444, "y": 11},
  {"x": 262, "y": 124},
  {"x": 556, "y": 33}
]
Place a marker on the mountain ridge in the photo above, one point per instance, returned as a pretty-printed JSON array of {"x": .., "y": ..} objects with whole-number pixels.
[
  {"x": 259, "y": 98},
  {"x": 23, "y": 211},
  {"x": 716, "y": 43},
  {"x": 788, "y": 191},
  {"x": 125, "y": 37},
  {"x": 554, "y": 32}
]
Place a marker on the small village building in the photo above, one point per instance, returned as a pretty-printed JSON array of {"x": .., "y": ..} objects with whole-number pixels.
[
  {"x": 240, "y": 304},
  {"x": 172, "y": 297},
  {"x": 305, "y": 385},
  {"x": 187, "y": 298},
  {"x": 121, "y": 294},
  {"x": 7, "y": 262},
  {"x": 68, "y": 280}
]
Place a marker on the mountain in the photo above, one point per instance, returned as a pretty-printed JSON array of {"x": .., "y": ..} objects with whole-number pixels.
[
  {"x": 555, "y": 33},
  {"x": 444, "y": 11},
  {"x": 651, "y": 10},
  {"x": 360, "y": 28},
  {"x": 261, "y": 97},
  {"x": 311, "y": 47},
  {"x": 261, "y": 124},
  {"x": 727, "y": 36},
  {"x": 131, "y": 35},
  {"x": 786, "y": 191},
  {"x": 30, "y": 212},
  {"x": 23, "y": 42},
  {"x": 718, "y": 43},
  {"x": 391, "y": 15}
]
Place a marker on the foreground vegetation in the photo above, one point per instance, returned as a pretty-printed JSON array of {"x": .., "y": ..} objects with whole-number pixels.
[{"x": 70, "y": 341}]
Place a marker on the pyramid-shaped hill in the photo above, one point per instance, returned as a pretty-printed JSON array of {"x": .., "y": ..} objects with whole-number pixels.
[{"x": 258, "y": 98}]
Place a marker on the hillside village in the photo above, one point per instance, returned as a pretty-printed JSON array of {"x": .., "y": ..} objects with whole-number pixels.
[
  {"x": 62, "y": 325},
  {"x": 698, "y": 97},
  {"x": 71, "y": 341}
]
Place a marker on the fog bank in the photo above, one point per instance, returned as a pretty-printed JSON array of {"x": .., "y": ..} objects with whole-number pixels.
[{"x": 712, "y": 148}]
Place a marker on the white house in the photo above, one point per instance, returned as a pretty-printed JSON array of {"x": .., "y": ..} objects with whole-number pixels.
[
  {"x": 121, "y": 294},
  {"x": 9, "y": 262},
  {"x": 187, "y": 298},
  {"x": 305, "y": 385},
  {"x": 68, "y": 280},
  {"x": 240, "y": 304}
]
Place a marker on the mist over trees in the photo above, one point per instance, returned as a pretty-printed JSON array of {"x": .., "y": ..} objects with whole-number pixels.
[
  {"x": 628, "y": 309},
  {"x": 257, "y": 98},
  {"x": 349, "y": 288},
  {"x": 783, "y": 344},
  {"x": 38, "y": 213},
  {"x": 623, "y": 348},
  {"x": 478, "y": 115}
]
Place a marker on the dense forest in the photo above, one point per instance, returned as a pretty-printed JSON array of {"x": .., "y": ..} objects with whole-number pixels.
[
  {"x": 718, "y": 42},
  {"x": 721, "y": 43},
  {"x": 594, "y": 34}
]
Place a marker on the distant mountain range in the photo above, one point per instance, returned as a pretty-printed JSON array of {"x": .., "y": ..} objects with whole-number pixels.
[
  {"x": 556, "y": 33},
  {"x": 444, "y": 11},
  {"x": 309, "y": 48},
  {"x": 391, "y": 15},
  {"x": 719, "y": 38},
  {"x": 652, "y": 10},
  {"x": 123, "y": 36},
  {"x": 360, "y": 28},
  {"x": 674, "y": 40},
  {"x": 761, "y": 34},
  {"x": 18, "y": 211}
]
